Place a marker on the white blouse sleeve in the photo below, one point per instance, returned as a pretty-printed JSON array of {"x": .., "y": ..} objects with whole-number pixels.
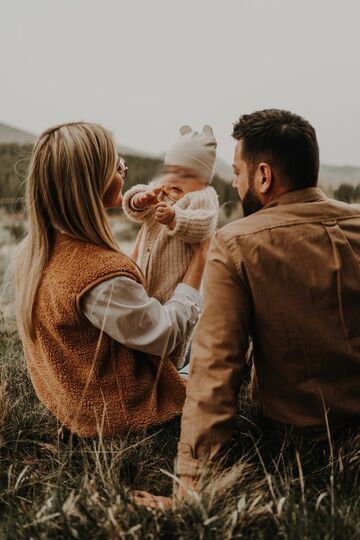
[{"x": 122, "y": 308}]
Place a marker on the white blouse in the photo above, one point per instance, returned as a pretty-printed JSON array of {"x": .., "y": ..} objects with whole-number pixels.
[{"x": 122, "y": 308}]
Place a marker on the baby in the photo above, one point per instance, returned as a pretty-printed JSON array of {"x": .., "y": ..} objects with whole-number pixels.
[{"x": 176, "y": 209}]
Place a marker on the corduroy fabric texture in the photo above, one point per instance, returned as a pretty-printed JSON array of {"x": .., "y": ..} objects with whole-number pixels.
[{"x": 91, "y": 383}]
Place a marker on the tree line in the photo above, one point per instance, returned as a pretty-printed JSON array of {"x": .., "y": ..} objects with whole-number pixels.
[
  {"x": 14, "y": 162},
  {"x": 15, "y": 158},
  {"x": 348, "y": 193}
]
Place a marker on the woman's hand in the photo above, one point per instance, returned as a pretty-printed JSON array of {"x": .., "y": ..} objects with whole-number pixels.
[{"x": 196, "y": 267}]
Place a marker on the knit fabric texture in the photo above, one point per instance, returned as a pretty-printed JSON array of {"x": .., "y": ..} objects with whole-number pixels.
[
  {"x": 164, "y": 254},
  {"x": 91, "y": 383},
  {"x": 195, "y": 151}
]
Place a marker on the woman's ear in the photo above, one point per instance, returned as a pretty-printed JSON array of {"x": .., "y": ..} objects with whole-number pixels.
[{"x": 266, "y": 178}]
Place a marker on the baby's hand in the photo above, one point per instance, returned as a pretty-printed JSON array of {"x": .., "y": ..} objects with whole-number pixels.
[
  {"x": 165, "y": 213},
  {"x": 147, "y": 198}
]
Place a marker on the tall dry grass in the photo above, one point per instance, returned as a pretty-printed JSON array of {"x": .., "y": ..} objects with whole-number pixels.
[
  {"x": 52, "y": 486},
  {"x": 56, "y": 486}
]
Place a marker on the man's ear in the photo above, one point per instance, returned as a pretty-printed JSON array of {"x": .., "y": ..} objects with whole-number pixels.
[{"x": 266, "y": 178}]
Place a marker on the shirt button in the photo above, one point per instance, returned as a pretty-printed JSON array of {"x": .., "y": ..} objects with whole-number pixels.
[
  {"x": 329, "y": 222},
  {"x": 148, "y": 250}
]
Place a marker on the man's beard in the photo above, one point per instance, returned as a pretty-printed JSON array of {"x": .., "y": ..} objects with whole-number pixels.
[{"x": 251, "y": 203}]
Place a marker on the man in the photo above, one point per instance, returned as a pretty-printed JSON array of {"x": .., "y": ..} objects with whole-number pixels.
[{"x": 287, "y": 276}]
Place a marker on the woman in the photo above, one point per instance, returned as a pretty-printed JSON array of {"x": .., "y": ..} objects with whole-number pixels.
[{"x": 85, "y": 320}]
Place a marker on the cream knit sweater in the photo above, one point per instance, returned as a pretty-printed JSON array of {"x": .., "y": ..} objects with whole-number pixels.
[{"x": 164, "y": 254}]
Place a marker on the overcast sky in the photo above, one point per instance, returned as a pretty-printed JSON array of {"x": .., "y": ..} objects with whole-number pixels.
[{"x": 144, "y": 68}]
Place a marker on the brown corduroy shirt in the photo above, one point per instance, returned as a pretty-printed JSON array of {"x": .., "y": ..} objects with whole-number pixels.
[{"x": 287, "y": 276}]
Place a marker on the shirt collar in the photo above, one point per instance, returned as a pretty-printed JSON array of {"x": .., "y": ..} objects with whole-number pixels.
[{"x": 311, "y": 194}]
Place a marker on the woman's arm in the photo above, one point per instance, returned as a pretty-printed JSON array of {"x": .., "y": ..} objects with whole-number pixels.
[
  {"x": 122, "y": 309},
  {"x": 195, "y": 271}
]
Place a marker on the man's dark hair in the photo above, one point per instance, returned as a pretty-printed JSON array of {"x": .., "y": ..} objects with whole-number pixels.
[{"x": 284, "y": 140}]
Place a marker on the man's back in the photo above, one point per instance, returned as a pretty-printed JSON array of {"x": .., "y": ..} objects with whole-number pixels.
[
  {"x": 300, "y": 260},
  {"x": 289, "y": 277}
]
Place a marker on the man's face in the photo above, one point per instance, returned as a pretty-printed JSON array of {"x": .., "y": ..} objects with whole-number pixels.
[{"x": 244, "y": 182}]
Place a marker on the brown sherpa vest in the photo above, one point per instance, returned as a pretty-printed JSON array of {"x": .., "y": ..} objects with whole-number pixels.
[{"x": 90, "y": 382}]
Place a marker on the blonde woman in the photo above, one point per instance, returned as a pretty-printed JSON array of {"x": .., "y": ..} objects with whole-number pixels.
[{"x": 89, "y": 330}]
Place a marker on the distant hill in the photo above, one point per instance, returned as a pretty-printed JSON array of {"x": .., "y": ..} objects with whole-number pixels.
[
  {"x": 10, "y": 135},
  {"x": 331, "y": 176}
]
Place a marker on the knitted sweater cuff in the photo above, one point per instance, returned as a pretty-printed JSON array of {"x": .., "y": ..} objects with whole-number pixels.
[
  {"x": 129, "y": 209},
  {"x": 192, "y": 230}
]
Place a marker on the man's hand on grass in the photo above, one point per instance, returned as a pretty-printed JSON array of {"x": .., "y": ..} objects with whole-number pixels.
[
  {"x": 144, "y": 498},
  {"x": 187, "y": 487}
]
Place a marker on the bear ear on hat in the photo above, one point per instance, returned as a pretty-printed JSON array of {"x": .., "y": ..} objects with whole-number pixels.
[
  {"x": 185, "y": 129},
  {"x": 207, "y": 130}
]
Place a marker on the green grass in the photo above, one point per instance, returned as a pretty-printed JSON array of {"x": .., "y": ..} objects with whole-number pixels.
[{"x": 53, "y": 487}]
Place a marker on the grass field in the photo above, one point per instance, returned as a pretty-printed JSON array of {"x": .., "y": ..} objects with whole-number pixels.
[
  {"x": 51, "y": 487},
  {"x": 56, "y": 488}
]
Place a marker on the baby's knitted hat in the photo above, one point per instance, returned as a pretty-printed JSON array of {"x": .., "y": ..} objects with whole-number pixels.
[{"x": 194, "y": 150}]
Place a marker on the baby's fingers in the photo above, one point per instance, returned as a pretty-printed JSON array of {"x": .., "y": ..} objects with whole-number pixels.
[
  {"x": 162, "y": 210},
  {"x": 162, "y": 205}
]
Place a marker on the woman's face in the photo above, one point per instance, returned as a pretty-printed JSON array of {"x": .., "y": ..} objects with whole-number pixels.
[{"x": 113, "y": 195}]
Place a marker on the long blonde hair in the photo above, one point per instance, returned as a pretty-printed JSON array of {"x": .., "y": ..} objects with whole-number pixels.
[{"x": 72, "y": 166}]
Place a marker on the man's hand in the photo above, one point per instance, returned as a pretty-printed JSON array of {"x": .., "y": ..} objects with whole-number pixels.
[
  {"x": 144, "y": 498},
  {"x": 147, "y": 198},
  {"x": 165, "y": 214},
  {"x": 187, "y": 488}
]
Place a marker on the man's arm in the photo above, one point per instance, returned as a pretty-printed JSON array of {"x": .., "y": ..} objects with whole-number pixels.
[{"x": 217, "y": 362}]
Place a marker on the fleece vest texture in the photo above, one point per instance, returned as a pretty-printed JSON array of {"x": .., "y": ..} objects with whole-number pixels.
[{"x": 90, "y": 382}]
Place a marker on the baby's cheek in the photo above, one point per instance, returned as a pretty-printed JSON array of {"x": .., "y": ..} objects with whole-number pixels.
[{"x": 174, "y": 194}]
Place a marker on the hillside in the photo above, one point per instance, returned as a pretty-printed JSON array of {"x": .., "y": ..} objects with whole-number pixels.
[
  {"x": 331, "y": 176},
  {"x": 14, "y": 160},
  {"x": 9, "y": 135}
]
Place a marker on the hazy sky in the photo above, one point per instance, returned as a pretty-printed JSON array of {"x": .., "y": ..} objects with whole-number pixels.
[{"x": 144, "y": 68}]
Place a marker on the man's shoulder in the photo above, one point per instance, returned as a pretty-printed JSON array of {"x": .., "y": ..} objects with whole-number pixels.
[
  {"x": 246, "y": 226},
  {"x": 286, "y": 216}
]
